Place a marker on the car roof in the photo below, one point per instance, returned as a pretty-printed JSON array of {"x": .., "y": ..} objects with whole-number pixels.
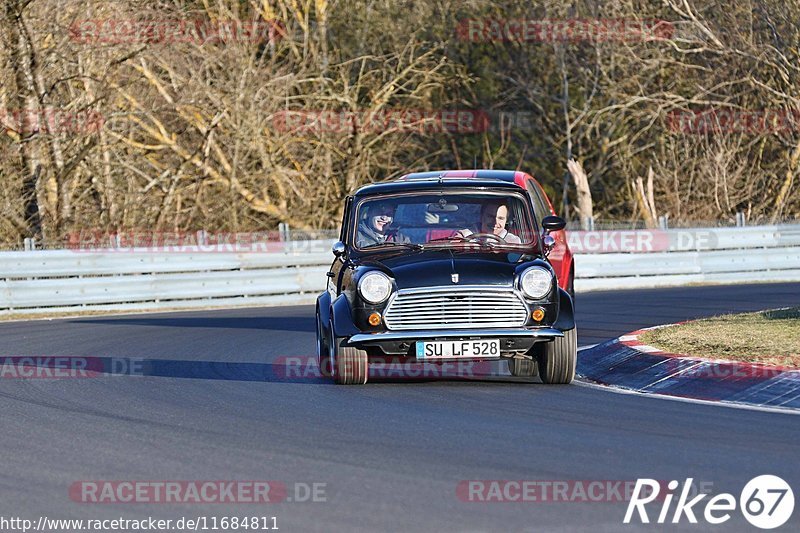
[{"x": 505, "y": 179}]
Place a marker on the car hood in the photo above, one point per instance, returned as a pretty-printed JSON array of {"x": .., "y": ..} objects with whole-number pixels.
[{"x": 431, "y": 268}]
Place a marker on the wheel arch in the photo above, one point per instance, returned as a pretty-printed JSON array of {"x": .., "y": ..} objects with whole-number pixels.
[
  {"x": 323, "y": 310},
  {"x": 566, "y": 311},
  {"x": 342, "y": 319}
]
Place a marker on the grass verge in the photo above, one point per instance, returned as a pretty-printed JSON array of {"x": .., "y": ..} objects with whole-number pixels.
[{"x": 770, "y": 337}]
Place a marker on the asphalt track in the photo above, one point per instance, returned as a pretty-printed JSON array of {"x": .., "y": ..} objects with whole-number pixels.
[{"x": 215, "y": 405}]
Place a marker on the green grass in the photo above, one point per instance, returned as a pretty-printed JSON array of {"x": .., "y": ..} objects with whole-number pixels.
[{"x": 771, "y": 337}]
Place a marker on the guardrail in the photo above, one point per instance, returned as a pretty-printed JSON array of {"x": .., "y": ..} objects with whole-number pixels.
[
  {"x": 294, "y": 272},
  {"x": 658, "y": 258}
]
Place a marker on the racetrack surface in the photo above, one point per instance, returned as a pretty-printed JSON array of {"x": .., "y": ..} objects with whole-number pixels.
[{"x": 214, "y": 405}]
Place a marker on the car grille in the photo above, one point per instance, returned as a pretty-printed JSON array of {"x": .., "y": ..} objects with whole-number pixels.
[{"x": 446, "y": 307}]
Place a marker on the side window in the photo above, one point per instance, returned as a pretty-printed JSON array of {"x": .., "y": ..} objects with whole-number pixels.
[
  {"x": 516, "y": 220},
  {"x": 543, "y": 199}
]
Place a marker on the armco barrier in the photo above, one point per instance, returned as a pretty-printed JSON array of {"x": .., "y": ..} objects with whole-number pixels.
[
  {"x": 622, "y": 259},
  {"x": 129, "y": 279},
  {"x": 137, "y": 278}
]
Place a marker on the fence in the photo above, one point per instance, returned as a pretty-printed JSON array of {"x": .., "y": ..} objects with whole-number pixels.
[
  {"x": 659, "y": 258},
  {"x": 128, "y": 278}
]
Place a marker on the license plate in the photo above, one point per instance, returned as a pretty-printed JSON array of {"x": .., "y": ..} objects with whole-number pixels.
[{"x": 458, "y": 349}]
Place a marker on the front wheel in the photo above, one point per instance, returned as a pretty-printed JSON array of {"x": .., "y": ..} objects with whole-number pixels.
[
  {"x": 559, "y": 358},
  {"x": 349, "y": 366}
]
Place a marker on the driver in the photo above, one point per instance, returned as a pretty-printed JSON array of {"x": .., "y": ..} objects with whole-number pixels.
[
  {"x": 375, "y": 229},
  {"x": 494, "y": 216}
]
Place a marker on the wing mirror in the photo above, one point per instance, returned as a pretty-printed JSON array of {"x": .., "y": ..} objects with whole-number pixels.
[
  {"x": 549, "y": 224},
  {"x": 338, "y": 249},
  {"x": 553, "y": 223}
]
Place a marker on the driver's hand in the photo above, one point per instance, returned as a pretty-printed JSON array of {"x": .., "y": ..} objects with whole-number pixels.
[{"x": 431, "y": 218}]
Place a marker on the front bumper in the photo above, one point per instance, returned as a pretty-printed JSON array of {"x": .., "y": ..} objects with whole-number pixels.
[{"x": 512, "y": 340}]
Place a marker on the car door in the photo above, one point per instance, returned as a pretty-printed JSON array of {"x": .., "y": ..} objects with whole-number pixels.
[{"x": 337, "y": 267}]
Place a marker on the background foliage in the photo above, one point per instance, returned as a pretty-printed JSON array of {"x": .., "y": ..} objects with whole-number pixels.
[{"x": 194, "y": 133}]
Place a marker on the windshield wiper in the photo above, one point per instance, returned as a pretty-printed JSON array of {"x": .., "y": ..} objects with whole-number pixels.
[
  {"x": 454, "y": 238},
  {"x": 477, "y": 241}
]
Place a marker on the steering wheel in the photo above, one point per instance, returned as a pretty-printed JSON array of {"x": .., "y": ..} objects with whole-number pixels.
[{"x": 492, "y": 236}]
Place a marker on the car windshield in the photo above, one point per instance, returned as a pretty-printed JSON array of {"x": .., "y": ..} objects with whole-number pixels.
[{"x": 453, "y": 219}]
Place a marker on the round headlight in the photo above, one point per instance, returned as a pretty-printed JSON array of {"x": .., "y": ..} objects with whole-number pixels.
[
  {"x": 536, "y": 282},
  {"x": 375, "y": 287}
]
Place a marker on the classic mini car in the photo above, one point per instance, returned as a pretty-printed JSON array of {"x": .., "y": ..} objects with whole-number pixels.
[{"x": 450, "y": 265}]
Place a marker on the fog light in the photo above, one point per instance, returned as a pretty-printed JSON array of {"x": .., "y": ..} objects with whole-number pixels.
[
  {"x": 375, "y": 319},
  {"x": 538, "y": 314}
]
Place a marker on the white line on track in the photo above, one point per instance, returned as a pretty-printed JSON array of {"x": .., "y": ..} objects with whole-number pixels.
[{"x": 733, "y": 405}]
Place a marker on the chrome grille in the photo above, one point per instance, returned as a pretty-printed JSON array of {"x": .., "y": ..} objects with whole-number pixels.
[{"x": 450, "y": 307}]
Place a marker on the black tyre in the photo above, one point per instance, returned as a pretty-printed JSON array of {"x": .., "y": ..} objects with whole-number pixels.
[
  {"x": 558, "y": 359},
  {"x": 350, "y": 366},
  {"x": 523, "y": 368}
]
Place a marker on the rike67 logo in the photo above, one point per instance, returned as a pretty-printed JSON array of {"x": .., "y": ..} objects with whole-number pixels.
[{"x": 767, "y": 502}]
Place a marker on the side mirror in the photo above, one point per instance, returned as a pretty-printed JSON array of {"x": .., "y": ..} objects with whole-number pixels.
[
  {"x": 553, "y": 223},
  {"x": 338, "y": 248},
  {"x": 549, "y": 224}
]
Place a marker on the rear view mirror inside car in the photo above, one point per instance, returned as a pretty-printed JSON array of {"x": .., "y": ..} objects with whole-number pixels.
[{"x": 442, "y": 208}]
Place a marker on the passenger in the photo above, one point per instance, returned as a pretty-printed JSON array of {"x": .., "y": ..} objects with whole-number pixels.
[
  {"x": 494, "y": 217},
  {"x": 375, "y": 229}
]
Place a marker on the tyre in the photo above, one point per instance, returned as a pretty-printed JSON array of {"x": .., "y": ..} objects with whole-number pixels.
[
  {"x": 349, "y": 366},
  {"x": 323, "y": 351},
  {"x": 523, "y": 368},
  {"x": 558, "y": 359}
]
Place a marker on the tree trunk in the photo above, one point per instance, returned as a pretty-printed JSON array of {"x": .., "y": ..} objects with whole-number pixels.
[
  {"x": 585, "y": 205},
  {"x": 40, "y": 187}
]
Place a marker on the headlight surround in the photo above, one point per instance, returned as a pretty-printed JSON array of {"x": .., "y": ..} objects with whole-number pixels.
[
  {"x": 536, "y": 282},
  {"x": 375, "y": 287}
]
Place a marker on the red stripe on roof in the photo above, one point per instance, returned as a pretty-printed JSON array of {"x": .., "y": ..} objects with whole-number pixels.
[{"x": 460, "y": 174}]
